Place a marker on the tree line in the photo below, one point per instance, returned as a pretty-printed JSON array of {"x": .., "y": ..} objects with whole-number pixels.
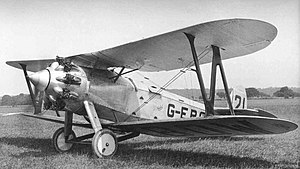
[
  {"x": 285, "y": 92},
  {"x": 21, "y": 99},
  {"x": 252, "y": 92}
]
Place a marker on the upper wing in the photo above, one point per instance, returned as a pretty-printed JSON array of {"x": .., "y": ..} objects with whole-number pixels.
[
  {"x": 31, "y": 65},
  {"x": 211, "y": 126},
  {"x": 236, "y": 37}
]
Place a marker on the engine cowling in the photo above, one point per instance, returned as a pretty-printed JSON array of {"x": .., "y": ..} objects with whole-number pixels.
[{"x": 65, "y": 86}]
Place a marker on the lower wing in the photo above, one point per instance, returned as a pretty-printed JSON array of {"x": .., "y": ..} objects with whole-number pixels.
[
  {"x": 227, "y": 125},
  {"x": 51, "y": 118},
  {"x": 219, "y": 125}
]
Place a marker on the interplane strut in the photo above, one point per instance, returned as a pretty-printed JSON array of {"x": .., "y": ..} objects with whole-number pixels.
[{"x": 216, "y": 61}]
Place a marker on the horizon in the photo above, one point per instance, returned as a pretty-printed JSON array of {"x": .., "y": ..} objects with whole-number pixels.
[{"x": 290, "y": 87}]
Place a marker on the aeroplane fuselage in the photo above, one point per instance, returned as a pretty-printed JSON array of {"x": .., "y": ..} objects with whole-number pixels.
[{"x": 124, "y": 99}]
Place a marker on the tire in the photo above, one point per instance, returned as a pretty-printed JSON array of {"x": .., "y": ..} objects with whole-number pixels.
[
  {"x": 59, "y": 143},
  {"x": 104, "y": 143}
]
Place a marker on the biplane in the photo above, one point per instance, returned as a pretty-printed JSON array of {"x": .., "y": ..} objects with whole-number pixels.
[{"x": 94, "y": 85}]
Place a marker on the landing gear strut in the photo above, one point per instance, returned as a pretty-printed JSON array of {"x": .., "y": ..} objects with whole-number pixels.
[
  {"x": 104, "y": 141},
  {"x": 59, "y": 141}
]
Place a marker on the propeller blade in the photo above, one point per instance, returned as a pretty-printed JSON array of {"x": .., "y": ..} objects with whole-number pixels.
[
  {"x": 29, "y": 86},
  {"x": 39, "y": 98},
  {"x": 36, "y": 95}
]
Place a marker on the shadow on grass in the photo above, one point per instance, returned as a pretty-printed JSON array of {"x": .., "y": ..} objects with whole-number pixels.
[
  {"x": 39, "y": 147},
  {"x": 174, "y": 158},
  {"x": 177, "y": 158},
  {"x": 192, "y": 139},
  {"x": 234, "y": 138},
  {"x": 132, "y": 152}
]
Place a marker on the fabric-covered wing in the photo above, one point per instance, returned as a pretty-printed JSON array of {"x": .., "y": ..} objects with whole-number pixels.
[
  {"x": 212, "y": 126},
  {"x": 51, "y": 118},
  {"x": 31, "y": 65},
  {"x": 60, "y": 120},
  {"x": 235, "y": 37}
]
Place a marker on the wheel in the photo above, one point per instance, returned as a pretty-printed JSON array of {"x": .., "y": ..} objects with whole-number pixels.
[
  {"x": 59, "y": 141},
  {"x": 104, "y": 143}
]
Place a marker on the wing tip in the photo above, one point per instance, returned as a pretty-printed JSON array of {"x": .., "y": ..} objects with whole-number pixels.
[{"x": 14, "y": 64}]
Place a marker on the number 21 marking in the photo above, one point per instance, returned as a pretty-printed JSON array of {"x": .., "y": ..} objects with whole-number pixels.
[{"x": 239, "y": 98}]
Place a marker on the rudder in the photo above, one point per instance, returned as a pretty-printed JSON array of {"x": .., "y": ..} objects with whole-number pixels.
[{"x": 238, "y": 97}]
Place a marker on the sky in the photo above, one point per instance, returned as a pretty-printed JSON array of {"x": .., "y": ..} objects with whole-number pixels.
[{"x": 41, "y": 29}]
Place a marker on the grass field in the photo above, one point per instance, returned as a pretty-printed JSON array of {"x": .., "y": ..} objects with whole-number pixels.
[{"x": 26, "y": 143}]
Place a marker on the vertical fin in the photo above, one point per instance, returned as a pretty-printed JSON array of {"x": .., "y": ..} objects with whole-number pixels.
[{"x": 238, "y": 97}]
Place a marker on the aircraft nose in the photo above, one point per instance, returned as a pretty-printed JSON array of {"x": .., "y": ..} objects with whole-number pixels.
[{"x": 40, "y": 79}]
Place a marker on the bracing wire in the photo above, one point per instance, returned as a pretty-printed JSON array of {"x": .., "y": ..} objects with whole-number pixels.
[{"x": 174, "y": 78}]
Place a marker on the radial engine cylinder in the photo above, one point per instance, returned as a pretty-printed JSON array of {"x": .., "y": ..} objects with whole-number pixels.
[{"x": 65, "y": 85}]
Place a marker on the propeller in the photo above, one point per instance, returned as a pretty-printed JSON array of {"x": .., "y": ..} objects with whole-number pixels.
[
  {"x": 39, "y": 98},
  {"x": 33, "y": 95},
  {"x": 59, "y": 85}
]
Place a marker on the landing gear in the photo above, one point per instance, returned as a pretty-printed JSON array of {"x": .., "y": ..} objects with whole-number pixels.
[
  {"x": 59, "y": 140},
  {"x": 104, "y": 143}
]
